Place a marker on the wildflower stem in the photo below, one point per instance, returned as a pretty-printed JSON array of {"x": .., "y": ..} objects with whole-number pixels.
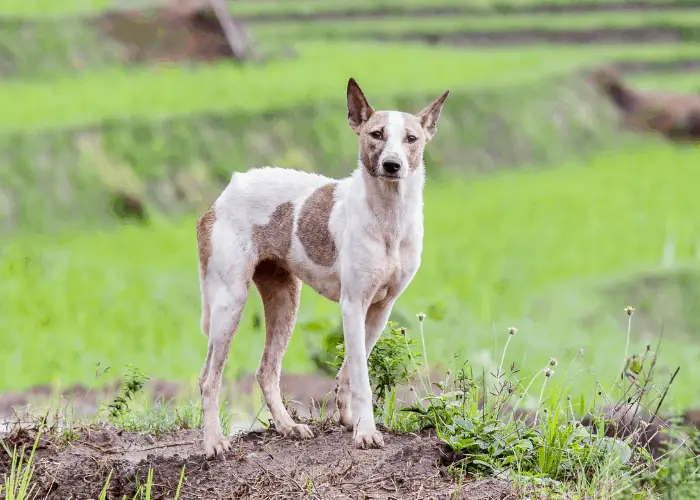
[
  {"x": 410, "y": 356},
  {"x": 503, "y": 357},
  {"x": 627, "y": 344},
  {"x": 539, "y": 403},
  {"x": 425, "y": 355},
  {"x": 527, "y": 389}
]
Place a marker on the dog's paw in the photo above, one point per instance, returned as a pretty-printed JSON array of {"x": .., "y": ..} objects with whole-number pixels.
[
  {"x": 296, "y": 431},
  {"x": 216, "y": 446},
  {"x": 369, "y": 440},
  {"x": 367, "y": 436}
]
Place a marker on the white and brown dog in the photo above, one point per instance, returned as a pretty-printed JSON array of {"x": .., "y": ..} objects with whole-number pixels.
[{"x": 356, "y": 241}]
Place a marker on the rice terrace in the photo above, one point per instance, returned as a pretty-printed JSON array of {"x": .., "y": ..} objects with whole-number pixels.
[{"x": 547, "y": 346}]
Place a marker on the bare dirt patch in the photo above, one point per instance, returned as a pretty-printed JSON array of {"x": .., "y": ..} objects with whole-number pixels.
[
  {"x": 644, "y": 34},
  {"x": 260, "y": 465},
  {"x": 167, "y": 34}
]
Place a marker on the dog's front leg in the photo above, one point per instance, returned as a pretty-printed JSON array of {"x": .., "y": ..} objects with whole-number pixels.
[{"x": 365, "y": 432}]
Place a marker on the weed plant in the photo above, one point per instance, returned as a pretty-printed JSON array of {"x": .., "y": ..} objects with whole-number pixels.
[{"x": 624, "y": 451}]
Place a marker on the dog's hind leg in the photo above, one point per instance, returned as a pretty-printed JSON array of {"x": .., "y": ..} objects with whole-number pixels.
[
  {"x": 280, "y": 293},
  {"x": 227, "y": 294}
]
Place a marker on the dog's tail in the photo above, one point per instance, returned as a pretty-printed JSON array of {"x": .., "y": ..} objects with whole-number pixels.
[
  {"x": 608, "y": 80},
  {"x": 205, "y": 223}
]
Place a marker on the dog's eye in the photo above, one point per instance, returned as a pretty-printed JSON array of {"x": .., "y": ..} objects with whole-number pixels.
[
  {"x": 377, "y": 134},
  {"x": 411, "y": 139}
]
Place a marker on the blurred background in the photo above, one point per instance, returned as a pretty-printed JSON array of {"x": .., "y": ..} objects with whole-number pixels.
[{"x": 562, "y": 184}]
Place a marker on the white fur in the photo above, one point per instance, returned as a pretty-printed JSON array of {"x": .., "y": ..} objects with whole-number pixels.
[{"x": 396, "y": 131}]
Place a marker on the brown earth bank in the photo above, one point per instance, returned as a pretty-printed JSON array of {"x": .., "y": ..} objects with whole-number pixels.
[
  {"x": 260, "y": 465},
  {"x": 668, "y": 66},
  {"x": 541, "y": 8},
  {"x": 166, "y": 34},
  {"x": 643, "y": 34},
  {"x": 302, "y": 391}
]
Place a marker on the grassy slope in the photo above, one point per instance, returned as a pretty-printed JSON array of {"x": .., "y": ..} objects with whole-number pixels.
[
  {"x": 688, "y": 82},
  {"x": 132, "y": 296},
  {"x": 443, "y": 25},
  {"x": 320, "y": 73},
  {"x": 40, "y": 8}
]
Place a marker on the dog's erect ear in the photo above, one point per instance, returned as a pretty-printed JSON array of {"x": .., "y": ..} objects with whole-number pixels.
[
  {"x": 359, "y": 110},
  {"x": 430, "y": 115}
]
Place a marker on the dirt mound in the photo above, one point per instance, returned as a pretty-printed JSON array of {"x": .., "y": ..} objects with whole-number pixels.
[
  {"x": 170, "y": 33},
  {"x": 645, "y": 34},
  {"x": 673, "y": 115},
  {"x": 261, "y": 465}
]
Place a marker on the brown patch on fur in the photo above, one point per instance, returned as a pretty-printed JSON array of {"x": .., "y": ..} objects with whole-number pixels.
[
  {"x": 675, "y": 116},
  {"x": 205, "y": 223},
  {"x": 313, "y": 230},
  {"x": 274, "y": 239},
  {"x": 371, "y": 149}
]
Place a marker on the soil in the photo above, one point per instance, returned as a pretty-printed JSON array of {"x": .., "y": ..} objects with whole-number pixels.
[
  {"x": 645, "y": 34},
  {"x": 543, "y": 8},
  {"x": 669, "y": 66},
  {"x": 166, "y": 34},
  {"x": 260, "y": 465}
]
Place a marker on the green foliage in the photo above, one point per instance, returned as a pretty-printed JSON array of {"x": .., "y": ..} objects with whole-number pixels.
[
  {"x": 391, "y": 362},
  {"x": 547, "y": 448},
  {"x": 133, "y": 411},
  {"x": 134, "y": 382},
  {"x": 679, "y": 475}
]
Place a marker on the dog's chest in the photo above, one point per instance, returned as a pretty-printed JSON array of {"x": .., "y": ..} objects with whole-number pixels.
[{"x": 393, "y": 270}]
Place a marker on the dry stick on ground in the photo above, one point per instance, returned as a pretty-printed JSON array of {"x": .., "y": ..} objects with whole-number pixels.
[{"x": 238, "y": 38}]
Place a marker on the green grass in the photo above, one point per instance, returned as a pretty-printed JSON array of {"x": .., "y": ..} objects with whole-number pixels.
[
  {"x": 445, "y": 25},
  {"x": 40, "y": 8},
  {"x": 131, "y": 296},
  {"x": 320, "y": 73},
  {"x": 686, "y": 82}
]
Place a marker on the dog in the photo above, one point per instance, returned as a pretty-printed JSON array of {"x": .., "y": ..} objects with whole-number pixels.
[{"x": 356, "y": 241}]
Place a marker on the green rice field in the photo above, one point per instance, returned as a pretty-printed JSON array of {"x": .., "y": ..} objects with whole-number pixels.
[{"x": 498, "y": 245}]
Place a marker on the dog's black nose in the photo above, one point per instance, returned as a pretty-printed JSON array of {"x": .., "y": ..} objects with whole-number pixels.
[{"x": 391, "y": 166}]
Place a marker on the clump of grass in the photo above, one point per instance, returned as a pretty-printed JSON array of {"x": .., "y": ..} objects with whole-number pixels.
[
  {"x": 18, "y": 484},
  {"x": 144, "y": 491},
  {"x": 132, "y": 410}
]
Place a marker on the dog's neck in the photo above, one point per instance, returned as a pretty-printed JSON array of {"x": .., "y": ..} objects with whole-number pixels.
[{"x": 394, "y": 204}]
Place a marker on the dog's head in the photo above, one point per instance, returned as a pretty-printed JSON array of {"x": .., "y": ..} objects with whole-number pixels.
[{"x": 391, "y": 142}]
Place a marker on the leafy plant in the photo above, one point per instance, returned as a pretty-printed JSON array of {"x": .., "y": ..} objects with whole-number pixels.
[
  {"x": 134, "y": 382},
  {"x": 391, "y": 363}
]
